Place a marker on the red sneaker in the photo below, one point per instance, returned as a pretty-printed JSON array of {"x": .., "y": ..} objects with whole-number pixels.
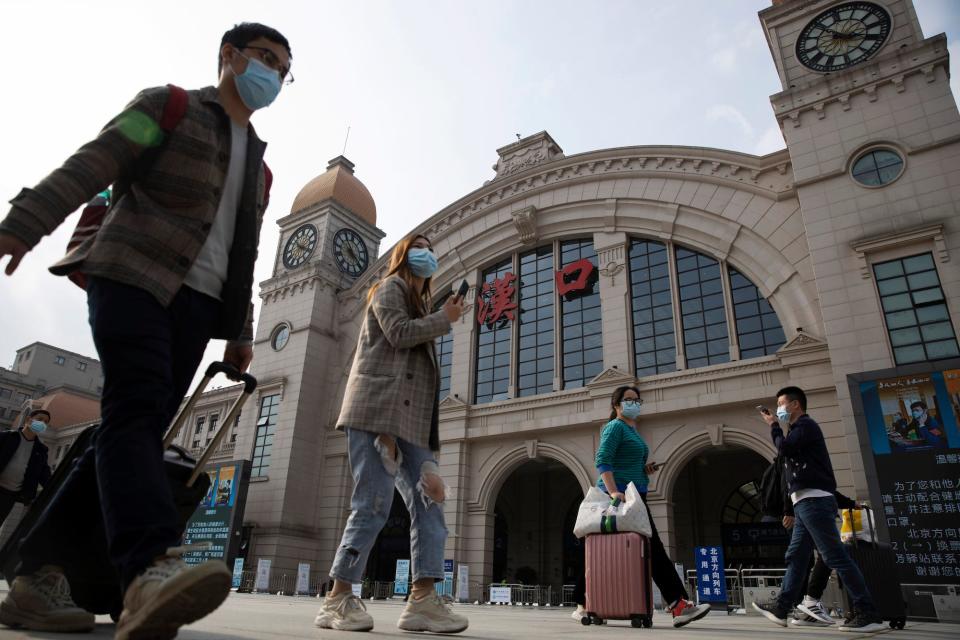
[{"x": 685, "y": 612}]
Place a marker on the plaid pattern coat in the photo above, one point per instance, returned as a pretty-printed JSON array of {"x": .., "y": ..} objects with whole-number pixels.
[
  {"x": 394, "y": 380},
  {"x": 167, "y": 191}
]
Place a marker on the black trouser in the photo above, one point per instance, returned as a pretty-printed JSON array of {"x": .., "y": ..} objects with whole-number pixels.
[
  {"x": 665, "y": 574},
  {"x": 149, "y": 356},
  {"x": 7, "y": 500},
  {"x": 819, "y": 578}
]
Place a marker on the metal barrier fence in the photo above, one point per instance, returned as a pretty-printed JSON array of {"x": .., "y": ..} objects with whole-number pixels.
[
  {"x": 732, "y": 578},
  {"x": 761, "y": 586}
]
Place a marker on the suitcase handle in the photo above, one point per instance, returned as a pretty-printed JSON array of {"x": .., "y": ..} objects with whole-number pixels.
[
  {"x": 249, "y": 385},
  {"x": 249, "y": 382},
  {"x": 873, "y": 528}
]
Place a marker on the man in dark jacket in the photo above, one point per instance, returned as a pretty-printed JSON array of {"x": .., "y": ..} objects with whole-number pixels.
[
  {"x": 171, "y": 268},
  {"x": 23, "y": 462},
  {"x": 811, "y": 485}
]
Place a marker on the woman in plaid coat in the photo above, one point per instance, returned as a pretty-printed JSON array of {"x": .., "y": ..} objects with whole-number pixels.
[{"x": 389, "y": 413}]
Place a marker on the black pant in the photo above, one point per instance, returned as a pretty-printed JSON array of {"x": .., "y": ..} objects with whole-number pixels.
[
  {"x": 7, "y": 500},
  {"x": 149, "y": 356},
  {"x": 819, "y": 578},
  {"x": 665, "y": 574}
]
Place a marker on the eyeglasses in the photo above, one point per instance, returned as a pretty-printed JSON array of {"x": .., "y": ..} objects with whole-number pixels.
[
  {"x": 637, "y": 400},
  {"x": 269, "y": 58}
]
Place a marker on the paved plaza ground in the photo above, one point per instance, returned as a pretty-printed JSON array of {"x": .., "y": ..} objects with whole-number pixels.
[{"x": 263, "y": 616}]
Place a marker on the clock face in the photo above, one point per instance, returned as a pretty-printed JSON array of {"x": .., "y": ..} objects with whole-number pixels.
[
  {"x": 300, "y": 246},
  {"x": 350, "y": 252},
  {"x": 843, "y": 36}
]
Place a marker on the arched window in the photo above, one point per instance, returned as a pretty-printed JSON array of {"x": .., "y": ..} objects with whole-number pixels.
[
  {"x": 653, "y": 332},
  {"x": 494, "y": 340},
  {"x": 705, "y": 304},
  {"x": 580, "y": 317},
  {"x": 742, "y": 506},
  {"x": 758, "y": 328},
  {"x": 535, "y": 357},
  {"x": 704, "y": 319},
  {"x": 444, "y": 348}
]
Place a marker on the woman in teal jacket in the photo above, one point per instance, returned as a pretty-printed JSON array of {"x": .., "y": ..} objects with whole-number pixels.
[{"x": 622, "y": 458}]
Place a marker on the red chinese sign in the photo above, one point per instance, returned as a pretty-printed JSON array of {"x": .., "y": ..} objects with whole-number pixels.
[
  {"x": 574, "y": 277},
  {"x": 496, "y": 300}
]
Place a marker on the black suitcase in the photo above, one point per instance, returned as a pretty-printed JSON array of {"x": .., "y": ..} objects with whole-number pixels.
[
  {"x": 94, "y": 583},
  {"x": 878, "y": 564}
]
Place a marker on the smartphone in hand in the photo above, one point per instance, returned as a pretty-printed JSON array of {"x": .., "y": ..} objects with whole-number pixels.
[
  {"x": 762, "y": 409},
  {"x": 462, "y": 291}
]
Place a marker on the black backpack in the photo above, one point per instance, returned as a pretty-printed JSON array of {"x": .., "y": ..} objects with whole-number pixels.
[{"x": 772, "y": 490}]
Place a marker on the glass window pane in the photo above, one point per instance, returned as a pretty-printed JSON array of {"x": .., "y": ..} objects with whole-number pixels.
[
  {"x": 902, "y": 337},
  {"x": 897, "y": 302},
  {"x": 901, "y": 319},
  {"x": 932, "y": 313},
  {"x": 888, "y": 269},
  {"x": 942, "y": 349},
  {"x": 894, "y": 285},
  {"x": 909, "y": 354},
  {"x": 937, "y": 331},
  {"x": 927, "y": 296},
  {"x": 922, "y": 262}
]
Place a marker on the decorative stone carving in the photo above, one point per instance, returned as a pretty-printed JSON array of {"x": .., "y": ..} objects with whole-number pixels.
[
  {"x": 531, "y": 449},
  {"x": 930, "y": 234},
  {"x": 525, "y": 220},
  {"x": 528, "y": 152}
]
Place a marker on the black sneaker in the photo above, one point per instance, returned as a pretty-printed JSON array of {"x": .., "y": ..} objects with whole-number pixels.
[
  {"x": 772, "y": 612},
  {"x": 864, "y": 623}
]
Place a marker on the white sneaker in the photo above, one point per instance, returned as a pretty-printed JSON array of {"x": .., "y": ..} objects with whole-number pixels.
[
  {"x": 42, "y": 602},
  {"x": 578, "y": 613},
  {"x": 803, "y": 620},
  {"x": 345, "y": 612},
  {"x": 431, "y": 613},
  {"x": 170, "y": 594},
  {"x": 816, "y": 610}
]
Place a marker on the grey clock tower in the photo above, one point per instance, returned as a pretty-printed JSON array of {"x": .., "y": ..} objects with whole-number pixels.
[
  {"x": 329, "y": 239},
  {"x": 871, "y": 127}
]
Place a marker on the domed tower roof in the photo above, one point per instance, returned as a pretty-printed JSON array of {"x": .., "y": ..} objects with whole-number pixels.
[{"x": 338, "y": 183}]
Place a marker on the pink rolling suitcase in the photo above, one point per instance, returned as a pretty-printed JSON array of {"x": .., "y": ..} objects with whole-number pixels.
[{"x": 618, "y": 579}]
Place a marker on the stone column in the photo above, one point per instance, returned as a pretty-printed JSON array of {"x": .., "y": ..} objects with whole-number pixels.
[{"x": 612, "y": 251}]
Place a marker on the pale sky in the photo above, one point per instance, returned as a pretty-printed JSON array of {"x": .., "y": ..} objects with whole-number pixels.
[{"x": 430, "y": 90}]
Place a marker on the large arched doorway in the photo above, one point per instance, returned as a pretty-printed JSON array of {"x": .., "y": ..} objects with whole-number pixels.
[
  {"x": 716, "y": 502},
  {"x": 533, "y": 540}
]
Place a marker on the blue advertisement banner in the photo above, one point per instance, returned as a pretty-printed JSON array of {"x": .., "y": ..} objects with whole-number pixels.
[
  {"x": 711, "y": 583},
  {"x": 400, "y": 581},
  {"x": 911, "y": 422},
  {"x": 237, "y": 573}
]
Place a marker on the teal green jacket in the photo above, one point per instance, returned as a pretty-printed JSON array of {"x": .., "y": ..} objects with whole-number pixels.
[{"x": 624, "y": 452}]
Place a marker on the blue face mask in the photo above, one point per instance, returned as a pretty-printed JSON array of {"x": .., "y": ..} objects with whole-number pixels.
[
  {"x": 422, "y": 262},
  {"x": 917, "y": 413},
  {"x": 783, "y": 415},
  {"x": 38, "y": 426},
  {"x": 630, "y": 409},
  {"x": 258, "y": 86}
]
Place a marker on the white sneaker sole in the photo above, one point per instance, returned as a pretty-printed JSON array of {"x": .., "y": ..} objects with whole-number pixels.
[
  {"x": 813, "y": 614},
  {"x": 331, "y": 622},
  {"x": 191, "y": 595},
  {"x": 417, "y": 622},
  {"x": 769, "y": 616},
  {"x": 873, "y": 627},
  {"x": 15, "y": 617},
  {"x": 808, "y": 623}
]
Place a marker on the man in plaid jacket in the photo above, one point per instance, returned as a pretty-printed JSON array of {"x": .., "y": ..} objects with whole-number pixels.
[{"x": 170, "y": 268}]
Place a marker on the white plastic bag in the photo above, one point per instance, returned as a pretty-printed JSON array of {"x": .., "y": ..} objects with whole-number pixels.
[{"x": 598, "y": 515}]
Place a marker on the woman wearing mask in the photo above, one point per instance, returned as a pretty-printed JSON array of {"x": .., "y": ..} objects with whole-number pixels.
[
  {"x": 389, "y": 414},
  {"x": 621, "y": 459}
]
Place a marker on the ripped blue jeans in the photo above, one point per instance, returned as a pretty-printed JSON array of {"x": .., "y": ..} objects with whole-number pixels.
[{"x": 370, "y": 506}]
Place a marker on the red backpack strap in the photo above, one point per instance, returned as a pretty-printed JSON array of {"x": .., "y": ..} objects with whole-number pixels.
[{"x": 174, "y": 109}]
